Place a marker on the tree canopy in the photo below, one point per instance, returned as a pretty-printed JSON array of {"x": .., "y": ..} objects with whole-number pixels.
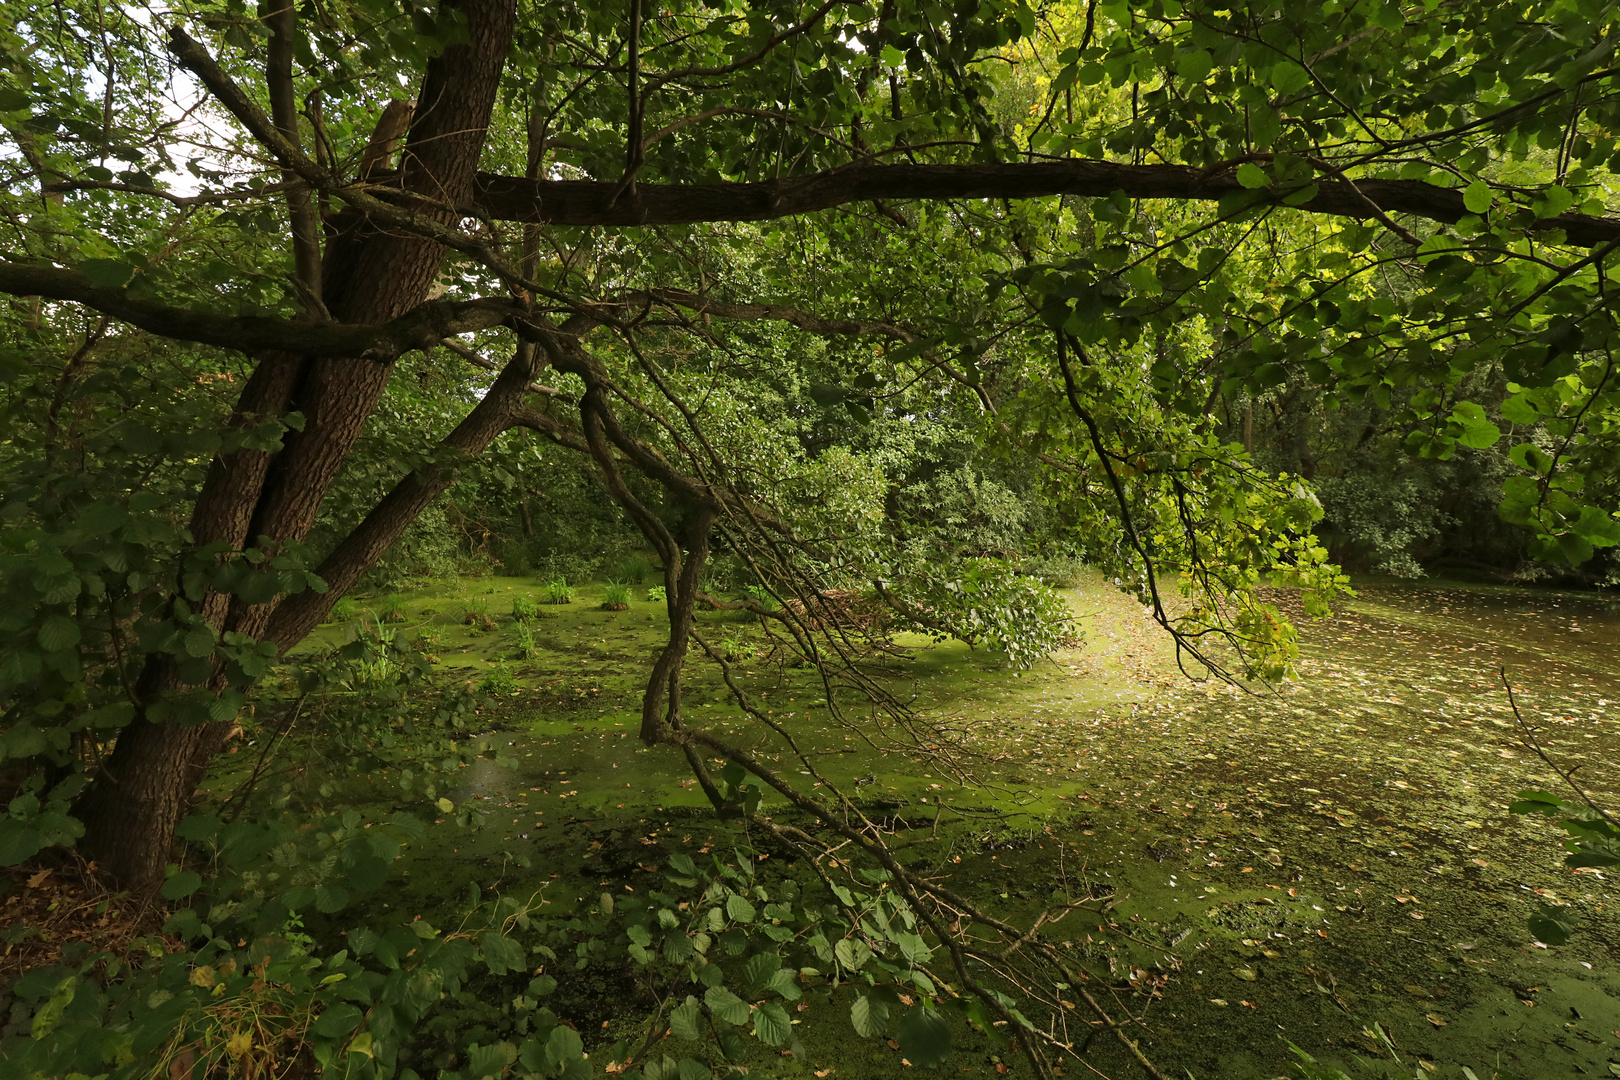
[{"x": 812, "y": 285}]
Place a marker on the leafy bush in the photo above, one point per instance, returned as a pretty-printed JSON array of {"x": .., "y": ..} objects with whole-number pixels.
[
  {"x": 524, "y": 609},
  {"x": 616, "y": 596},
  {"x": 429, "y": 641},
  {"x": 344, "y": 610},
  {"x": 760, "y": 595},
  {"x": 633, "y": 570},
  {"x": 736, "y": 648},
  {"x": 1061, "y": 573},
  {"x": 558, "y": 591},
  {"x": 499, "y": 679},
  {"x": 988, "y": 602},
  {"x": 376, "y": 665},
  {"x": 657, "y": 594}
]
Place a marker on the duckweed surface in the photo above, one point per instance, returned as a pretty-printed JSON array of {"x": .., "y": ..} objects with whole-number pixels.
[{"x": 1330, "y": 865}]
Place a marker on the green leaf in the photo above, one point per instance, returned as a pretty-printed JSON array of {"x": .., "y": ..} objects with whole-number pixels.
[
  {"x": 330, "y": 898},
  {"x": 1251, "y": 175},
  {"x": 925, "y": 1037},
  {"x": 57, "y": 633},
  {"x": 1552, "y": 926},
  {"x": 1289, "y": 77},
  {"x": 913, "y": 948},
  {"x": 1477, "y": 197},
  {"x": 199, "y": 641},
  {"x": 19, "y": 842},
  {"x": 1478, "y": 432},
  {"x": 1537, "y": 802},
  {"x": 726, "y": 1006},
  {"x": 684, "y": 1020},
  {"x": 772, "y": 1025},
  {"x": 490, "y": 1060},
  {"x": 784, "y": 983},
  {"x": 759, "y": 969},
  {"x": 892, "y": 57},
  {"x": 1195, "y": 66},
  {"x": 852, "y": 954},
  {"x": 870, "y": 1016},
  {"x": 501, "y": 953},
  {"x": 180, "y": 885},
  {"x": 337, "y": 1021},
  {"x": 739, "y": 908},
  {"x": 564, "y": 1044},
  {"x": 693, "y": 1069}
]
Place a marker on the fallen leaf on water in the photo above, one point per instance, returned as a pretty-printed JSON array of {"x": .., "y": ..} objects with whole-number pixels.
[
  {"x": 1435, "y": 1018},
  {"x": 1218, "y": 1001}
]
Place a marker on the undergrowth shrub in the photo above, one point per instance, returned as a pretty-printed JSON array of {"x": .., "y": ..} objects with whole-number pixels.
[
  {"x": 988, "y": 602},
  {"x": 633, "y": 570},
  {"x": 500, "y": 678},
  {"x": 558, "y": 591},
  {"x": 524, "y": 639},
  {"x": 475, "y": 613},
  {"x": 616, "y": 596},
  {"x": 524, "y": 609}
]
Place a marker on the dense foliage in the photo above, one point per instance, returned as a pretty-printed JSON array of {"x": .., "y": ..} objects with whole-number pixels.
[{"x": 896, "y": 299}]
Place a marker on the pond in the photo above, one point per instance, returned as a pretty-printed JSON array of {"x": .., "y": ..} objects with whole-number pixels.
[{"x": 1329, "y": 865}]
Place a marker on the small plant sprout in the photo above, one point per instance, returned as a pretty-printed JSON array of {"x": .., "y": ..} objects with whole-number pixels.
[
  {"x": 524, "y": 609},
  {"x": 393, "y": 608},
  {"x": 558, "y": 591},
  {"x": 616, "y": 596},
  {"x": 657, "y": 594}
]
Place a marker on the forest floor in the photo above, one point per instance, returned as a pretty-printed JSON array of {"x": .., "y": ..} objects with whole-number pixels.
[{"x": 1330, "y": 865}]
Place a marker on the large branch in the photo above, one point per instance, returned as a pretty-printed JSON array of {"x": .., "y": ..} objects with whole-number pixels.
[
  {"x": 589, "y": 202},
  {"x": 700, "y": 304},
  {"x": 423, "y": 327}
]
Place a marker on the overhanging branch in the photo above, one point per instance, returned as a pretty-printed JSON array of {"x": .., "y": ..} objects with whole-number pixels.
[
  {"x": 420, "y": 328},
  {"x": 589, "y": 202}
]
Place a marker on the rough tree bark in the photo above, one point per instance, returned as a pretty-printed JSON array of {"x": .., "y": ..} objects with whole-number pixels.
[{"x": 368, "y": 275}]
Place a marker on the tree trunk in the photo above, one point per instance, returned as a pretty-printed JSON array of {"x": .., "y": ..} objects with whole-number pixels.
[{"x": 132, "y": 805}]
